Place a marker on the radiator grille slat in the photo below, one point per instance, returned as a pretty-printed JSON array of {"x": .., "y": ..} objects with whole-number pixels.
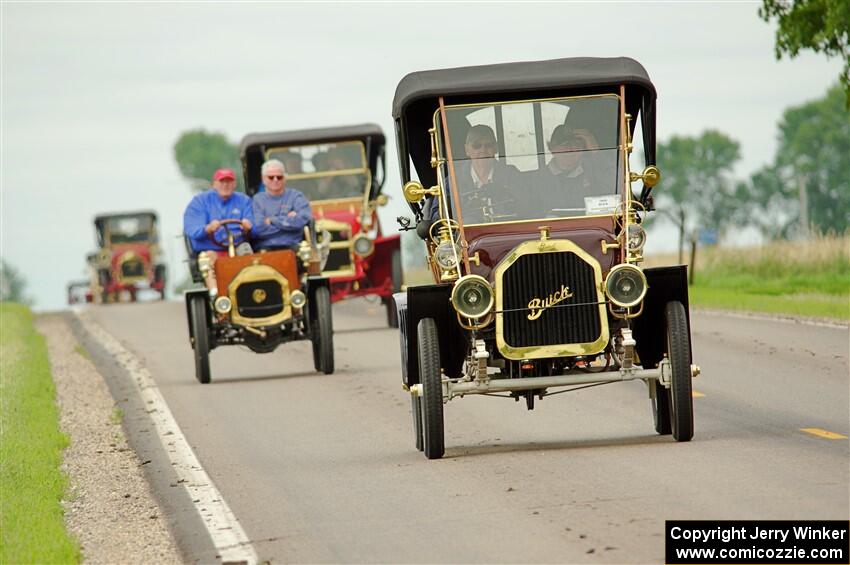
[{"x": 539, "y": 276}]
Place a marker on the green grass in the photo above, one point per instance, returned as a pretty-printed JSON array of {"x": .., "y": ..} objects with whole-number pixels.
[
  {"x": 817, "y": 305},
  {"x": 32, "y": 529},
  {"x": 117, "y": 416},
  {"x": 798, "y": 278}
]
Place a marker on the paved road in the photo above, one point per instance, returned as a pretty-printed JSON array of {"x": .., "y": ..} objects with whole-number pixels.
[{"x": 323, "y": 468}]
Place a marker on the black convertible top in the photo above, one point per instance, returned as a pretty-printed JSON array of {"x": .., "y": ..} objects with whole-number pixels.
[
  {"x": 310, "y": 136},
  {"x": 417, "y": 96},
  {"x": 522, "y": 77},
  {"x": 252, "y": 149},
  {"x": 100, "y": 218}
]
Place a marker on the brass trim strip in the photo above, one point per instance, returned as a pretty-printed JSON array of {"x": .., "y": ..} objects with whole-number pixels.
[{"x": 455, "y": 194}]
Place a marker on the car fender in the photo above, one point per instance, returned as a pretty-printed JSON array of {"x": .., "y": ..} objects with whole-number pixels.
[
  {"x": 431, "y": 301},
  {"x": 312, "y": 284},
  {"x": 187, "y": 297},
  {"x": 665, "y": 284}
]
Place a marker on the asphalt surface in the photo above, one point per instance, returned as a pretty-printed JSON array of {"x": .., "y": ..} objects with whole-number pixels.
[{"x": 323, "y": 468}]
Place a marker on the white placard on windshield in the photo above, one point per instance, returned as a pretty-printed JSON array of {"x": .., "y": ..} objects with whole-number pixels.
[{"x": 595, "y": 205}]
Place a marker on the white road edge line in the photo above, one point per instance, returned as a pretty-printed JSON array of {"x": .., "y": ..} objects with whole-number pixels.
[{"x": 227, "y": 534}]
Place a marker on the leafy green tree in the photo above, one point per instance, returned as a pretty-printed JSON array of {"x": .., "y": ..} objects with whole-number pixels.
[
  {"x": 820, "y": 25},
  {"x": 199, "y": 153},
  {"x": 12, "y": 284},
  {"x": 696, "y": 189},
  {"x": 808, "y": 185}
]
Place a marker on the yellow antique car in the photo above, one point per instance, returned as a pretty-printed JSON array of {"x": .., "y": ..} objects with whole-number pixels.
[{"x": 259, "y": 300}]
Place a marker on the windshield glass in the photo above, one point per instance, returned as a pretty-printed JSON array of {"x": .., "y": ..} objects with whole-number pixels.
[
  {"x": 326, "y": 171},
  {"x": 532, "y": 160},
  {"x": 129, "y": 230}
]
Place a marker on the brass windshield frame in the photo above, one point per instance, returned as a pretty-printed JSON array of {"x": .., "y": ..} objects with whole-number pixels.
[
  {"x": 441, "y": 159},
  {"x": 364, "y": 170}
]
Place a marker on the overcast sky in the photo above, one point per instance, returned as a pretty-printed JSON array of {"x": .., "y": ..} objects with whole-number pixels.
[{"x": 94, "y": 95}]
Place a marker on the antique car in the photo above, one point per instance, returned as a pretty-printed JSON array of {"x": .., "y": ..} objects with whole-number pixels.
[
  {"x": 79, "y": 292},
  {"x": 341, "y": 171},
  {"x": 521, "y": 187},
  {"x": 259, "y": 300},
  {"x": 129, "y": 258}
]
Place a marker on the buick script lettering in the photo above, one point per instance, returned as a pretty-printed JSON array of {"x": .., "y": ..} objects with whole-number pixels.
[{"x": 539, "y": 305}]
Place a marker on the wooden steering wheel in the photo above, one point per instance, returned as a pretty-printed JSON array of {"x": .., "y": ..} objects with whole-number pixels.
[{"x": 242, "y": 233}]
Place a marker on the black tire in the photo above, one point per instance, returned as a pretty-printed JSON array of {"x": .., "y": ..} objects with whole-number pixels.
[
  {"x": 679, "y": 353},
  {"x": 432, "y": 389},
  {"x": 323, "y": 332},
  {"x": 392, "y": 313},
  {"x": 317, "y": 361},
  {"x": 398, "y": 277},
  {"x": 661, "y": 409},
  {"x": 416, "y": 408},
  {"x": 201, "y": 339}
]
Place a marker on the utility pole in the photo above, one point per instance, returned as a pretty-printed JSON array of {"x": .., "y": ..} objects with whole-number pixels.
[{"x": 804, "y": 206}]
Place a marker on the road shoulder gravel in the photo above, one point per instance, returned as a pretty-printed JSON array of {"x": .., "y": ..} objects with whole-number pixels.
[{"x": 110, "y": 507}]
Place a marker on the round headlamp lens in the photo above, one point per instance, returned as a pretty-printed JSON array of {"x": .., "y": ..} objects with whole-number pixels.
[
  {"x": 363, "y": 246},
  {"x": 625, "y": 285},
  {"x": 222, "y": 305},
  {"x": 297, "y": 299},
  {"x": 472, "y": 296}
]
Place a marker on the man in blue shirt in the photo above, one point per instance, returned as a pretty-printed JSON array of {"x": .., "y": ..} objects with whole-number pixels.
[
  {"x": 203, "y": 216},
  {"x": 281, "y": 213}
]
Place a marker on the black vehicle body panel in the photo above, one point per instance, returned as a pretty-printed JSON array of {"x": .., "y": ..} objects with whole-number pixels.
[
  {"x": 187, "y": 296},
  {"x": 432, "y": 301},
  {"x": 665, "y": 284}
]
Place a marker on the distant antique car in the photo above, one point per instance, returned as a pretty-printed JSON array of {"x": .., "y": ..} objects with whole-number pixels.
[
  {"x": 79, "y": 292},
  {"x": 262, "y": 300},
  {"x": 341, "y": 171},
  {"x": 129, "y": 258},
  {"x": 535, "y": 241}
]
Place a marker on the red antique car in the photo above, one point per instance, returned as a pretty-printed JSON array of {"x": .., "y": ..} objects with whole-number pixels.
[
  {"x": 341, "y": 171},
  {"x": 128, "y": 258}
]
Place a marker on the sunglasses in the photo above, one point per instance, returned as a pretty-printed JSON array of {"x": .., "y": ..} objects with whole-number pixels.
[
  {"x": 274, "y": 177},
  {"x": 483, "y": 145}
]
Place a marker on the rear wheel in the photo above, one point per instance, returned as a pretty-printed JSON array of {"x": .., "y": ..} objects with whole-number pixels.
[
  {"x": 398, "y": 277},
  {"x": 200, "y": 339},
  {"x": 432, "y": 389},
  {"x": 679, "y": 353},
  {"x": 323, "y": 332}
]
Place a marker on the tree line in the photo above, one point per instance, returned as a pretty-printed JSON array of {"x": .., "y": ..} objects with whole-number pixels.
[{"x": 805, "y": 188}]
